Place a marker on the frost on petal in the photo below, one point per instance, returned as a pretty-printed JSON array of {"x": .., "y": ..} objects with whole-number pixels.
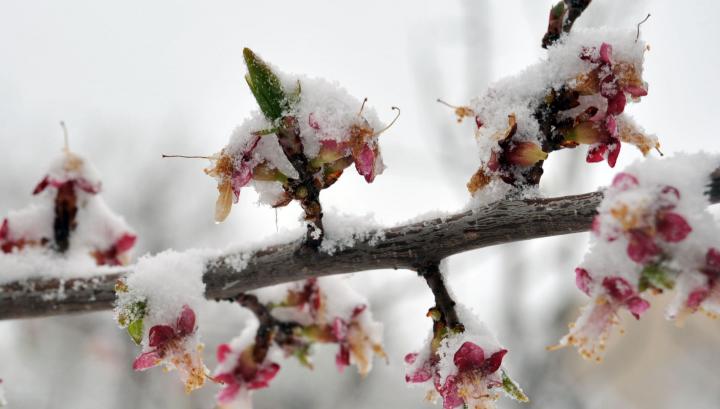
[
  {"x": 147, "y": 360},
  {"x": 307, "y": 128},
  {"x": 583, "y": 280},
  {"x": 641, "y": 246},
  {"x": 624, "y": 181},
  {"x": 592, "y": 329},
  {"x": 365, "y": 163},
  {"x": 672, "y": 227},
  {"x": 463, "y": 368},
  {"x": 653, "y": 233}
]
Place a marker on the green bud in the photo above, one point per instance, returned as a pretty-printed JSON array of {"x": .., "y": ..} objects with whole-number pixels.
[
  {"x": 135, "y": 330},
  {"x": 265, "y": 86},
  {"x": 512, "y": 389},
  {"x": 558, "y": 10},
  {"x": 655, "y": 276}
]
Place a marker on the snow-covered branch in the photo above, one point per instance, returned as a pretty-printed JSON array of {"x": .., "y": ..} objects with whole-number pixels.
[{"x": 401, "y": 247}]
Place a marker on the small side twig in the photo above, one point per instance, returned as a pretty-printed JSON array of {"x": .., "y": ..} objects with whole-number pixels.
[
  {"x": 270, "y": 329},
  {"x": 562, "y": 18},
  {"x": 304, "y": 188},
  {"x": 443, "y": 301}
]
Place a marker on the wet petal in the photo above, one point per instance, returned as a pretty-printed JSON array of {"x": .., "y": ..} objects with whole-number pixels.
[
  {"x": 618, "y": 288},
  {"x": 160, "y": 335},
  {"x": 583, "y": 280},
  {"x": 624, "y": 181},
  {"x": 637, "y": 306},
  {"x": 606, "y": 53},
  {"x": 365, "y": 163},
  {"x": 672, "y": 227},
  {"x": 264, "y": 375},
  {"x": 613, "y": 153},
  {"x": 616, "y": 104},
  {"x": 146, "y": 360},
  {"x": 469, "y": 356},
  {"x": 222, "y": 351},
  {"x": 493, "y": 363},
  {"x": 186, "y": 321},
  {"x": 125, "y": 242},
  {"x": 641, "y": 247}
]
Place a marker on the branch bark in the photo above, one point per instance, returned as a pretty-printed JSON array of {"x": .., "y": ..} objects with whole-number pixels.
[{"x": 401, "y": 247}]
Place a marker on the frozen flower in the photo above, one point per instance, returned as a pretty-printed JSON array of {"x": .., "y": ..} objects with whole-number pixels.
[
  {"x": 646, "y": 225},
  {"x": 306, "y": 133},
  {"x": 327, "y": 310},
  {"x": 67, "y": 213},
  {"x": 591, "y": 330},
  {"x": 176, "y": 347},
  {"x": 240, "y": 373},
  {"x": 464, "y": 368}
]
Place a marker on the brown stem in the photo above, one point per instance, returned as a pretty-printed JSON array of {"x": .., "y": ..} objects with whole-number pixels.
[
  {"x": 270, "y": 329},
  {"x": 562, "y": 18},
  {"x": 65, "y": 212},
  {"x": 263, "y": 337},
  {"x": 443, "y": 301},
  {"x": 304, "y": 188}
]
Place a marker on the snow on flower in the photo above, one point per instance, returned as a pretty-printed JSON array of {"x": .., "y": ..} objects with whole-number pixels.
[
  {"x": 464, "y": 368},
  {"x": 291, "y": 318},
  {"x": 576, "y": 96},
  {"x": 157, "y": 305},
  {"x": 653, "y": 233},
  {"x": 327, "y": 310},
  {"x": 68, "y": 216},
  {"x": 239, "y": 371},
  {"x": 306, "y": 128}
]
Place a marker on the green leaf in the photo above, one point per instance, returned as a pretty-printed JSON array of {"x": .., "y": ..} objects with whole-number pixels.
[
  {"x": 655, "y": 276},
  {"x": 512, "y": 389},
  {"x": 265, "y": 86},
  {"x": 135, "y": 329}
]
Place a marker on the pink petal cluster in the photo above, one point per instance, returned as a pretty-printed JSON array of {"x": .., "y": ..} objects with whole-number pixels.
[
  {"x": 648, "y": 237},
  {"x": 614, "y": 82},
  {"x": 647, "y": 229},
  {"x": 351, "y": 327},
  {"x": 358, "y": 147},
  {"x": 69, "y": 190},
  {"x": 471, "y": 380},
  {"x": 590, "y": 332},
  {"x": 176, "y": 347},
  {"x": 707, "y": 293},
  {"x": 240, "y": 374}
]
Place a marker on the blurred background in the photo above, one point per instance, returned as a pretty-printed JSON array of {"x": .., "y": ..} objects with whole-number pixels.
[{"x": 135, "y": 79}]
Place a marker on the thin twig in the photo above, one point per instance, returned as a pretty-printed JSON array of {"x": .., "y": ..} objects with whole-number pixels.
[{"x": 637, "y": 36}]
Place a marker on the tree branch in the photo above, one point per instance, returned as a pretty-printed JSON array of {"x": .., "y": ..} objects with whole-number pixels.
[{"x": 401, "y": 247}]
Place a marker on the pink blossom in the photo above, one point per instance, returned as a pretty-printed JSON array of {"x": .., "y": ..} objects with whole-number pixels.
[
  {"x": 243, "y": 374},
  {"x": 175, "y": 347},
  {"x": 472, "y": 381}
]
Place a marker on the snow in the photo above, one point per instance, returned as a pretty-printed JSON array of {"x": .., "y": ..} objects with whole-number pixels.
[
  {"x": 30, "y": 232},
  {"x": 520, "y": 95},
  {"x": 653, "y": 233},
  {"x": 167, "y": 282}
]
